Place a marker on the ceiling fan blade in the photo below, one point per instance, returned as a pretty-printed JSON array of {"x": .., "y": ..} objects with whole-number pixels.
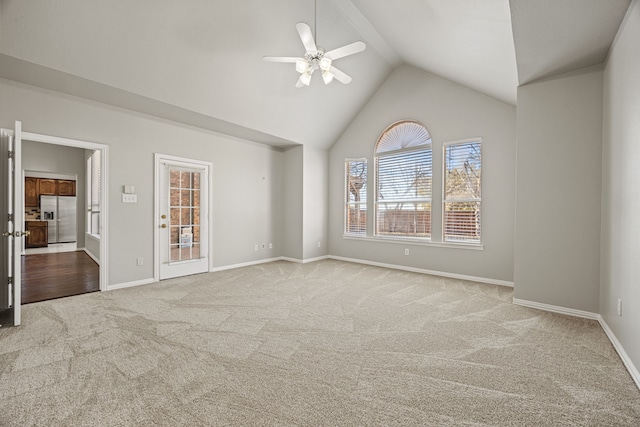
[
  {"x": 340, "y": 76},
  {"x": 289, "y": 59},
  {"x": 350, "y": 49},
  {"x": 306, "y": 36}
]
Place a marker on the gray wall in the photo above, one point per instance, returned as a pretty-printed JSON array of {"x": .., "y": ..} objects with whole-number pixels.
[
  {"x": 315, "y": 223},
  {"x": 40, "y": 157},
  {"x": 450, "y": 112},
  {"x": 557, "y": 250},
  {"x": 246, "y": 208},
  {"x": 620, "y": 251},
  {"x": 292, "y": 230}
]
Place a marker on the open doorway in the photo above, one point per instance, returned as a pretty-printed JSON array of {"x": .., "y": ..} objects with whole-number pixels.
[{"x": 64, "y": 211}]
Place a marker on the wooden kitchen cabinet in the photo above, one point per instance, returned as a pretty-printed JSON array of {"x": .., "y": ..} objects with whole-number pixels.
[
  {"x": 31, "y": 192},
  {"x": 36, "y": 187},
  {"x": 38, "y": 234},
  {"x": 66, "y": 187},
  {"x": 47, "y": 187}
]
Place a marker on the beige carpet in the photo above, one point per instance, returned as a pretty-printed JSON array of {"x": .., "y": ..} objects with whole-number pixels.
[{"x": 327, "y": 343}]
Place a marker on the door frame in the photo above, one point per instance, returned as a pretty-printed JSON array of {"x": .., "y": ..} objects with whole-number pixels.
[
  {"x": 158, "y": 160},
  {"x": 104, "y": 178}
]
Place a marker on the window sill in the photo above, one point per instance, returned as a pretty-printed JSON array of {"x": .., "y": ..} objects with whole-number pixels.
[
  {"x": 95, "y": 236},
  {"x": 416, "y": 242}
]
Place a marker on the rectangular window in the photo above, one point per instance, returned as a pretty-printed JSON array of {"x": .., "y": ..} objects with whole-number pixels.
[
  {"x": 403, "y": 193},
  {"x": 461, "y": 199},
  {"x": 94, "y": 193},
  {"x": 355, "y": 222}
]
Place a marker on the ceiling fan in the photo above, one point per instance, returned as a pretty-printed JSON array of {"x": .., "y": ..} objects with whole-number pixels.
[{"x": 317, "y": 59}]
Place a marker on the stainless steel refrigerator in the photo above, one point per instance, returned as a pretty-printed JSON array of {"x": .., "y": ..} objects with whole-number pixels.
[{"x": 60, "y": 214}]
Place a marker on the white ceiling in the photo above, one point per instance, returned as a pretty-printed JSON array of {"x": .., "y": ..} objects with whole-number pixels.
[
  {"x": 554, "y": 37},
  {"x": 199, "y": 61}
]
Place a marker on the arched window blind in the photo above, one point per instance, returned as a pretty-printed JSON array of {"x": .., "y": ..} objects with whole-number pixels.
[{"x": 403, "y": 181}]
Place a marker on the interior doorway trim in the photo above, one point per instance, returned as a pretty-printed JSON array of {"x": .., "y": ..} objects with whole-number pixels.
[{"x": 104, "y": 178}]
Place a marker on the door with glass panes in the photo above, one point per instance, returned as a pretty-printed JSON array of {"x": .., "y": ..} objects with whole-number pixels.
[{"x": 183, "y": 213}]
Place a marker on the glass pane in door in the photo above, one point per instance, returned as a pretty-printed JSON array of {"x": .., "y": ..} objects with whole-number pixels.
[{"x": 184, "y": 214}]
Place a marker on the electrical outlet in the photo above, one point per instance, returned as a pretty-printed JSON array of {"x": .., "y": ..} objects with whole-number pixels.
[
  {"x": 619, "y": 307},
  {"x": 318, "y": 243},
  {"x": 255, "y": 247},
  {"x": 139, "y": 262},
  {"x": 270, "y": 245},
  {"x": 406, "y": 251}
]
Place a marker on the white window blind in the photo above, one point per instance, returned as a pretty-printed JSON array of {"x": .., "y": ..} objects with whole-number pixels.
[
  {"x": 95, "y": 193},
  {"x": 356, "y": 197},
  {"x": 404, "y": 181},
  {"x": 462, "y": 192}
]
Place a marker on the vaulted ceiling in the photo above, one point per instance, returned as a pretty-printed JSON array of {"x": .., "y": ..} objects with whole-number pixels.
[{"x": 199, "y": 62}]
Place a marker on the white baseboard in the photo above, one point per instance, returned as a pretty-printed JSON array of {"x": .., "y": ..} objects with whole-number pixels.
[
  {"x": 96, "y": 260},
  {"x": 633, "y": 371},
  {"x": 320, "y": 258},
  {"x": 296, "y": 260},
  {"x": 556, "y": 309},
  {"x": 244, "y": 264},
  {"x": 425, "y": 271},
  {"x": 626, "y": 360},
  {"x": 304, "y": 261},
  {"x": 130, "y": 284}
]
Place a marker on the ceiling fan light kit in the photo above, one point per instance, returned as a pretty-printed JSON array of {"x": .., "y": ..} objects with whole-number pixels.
[
  {"x": 327, "y": 77},
  {"x": 315, "y": 58}
]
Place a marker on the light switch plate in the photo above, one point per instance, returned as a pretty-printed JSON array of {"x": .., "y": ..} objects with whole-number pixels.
[{"x": 129, "y": 198}]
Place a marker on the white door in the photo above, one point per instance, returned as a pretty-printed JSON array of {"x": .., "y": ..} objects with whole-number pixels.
[
  {"x": 182, "y": 212},
  {"x": 12, "y": 222}
]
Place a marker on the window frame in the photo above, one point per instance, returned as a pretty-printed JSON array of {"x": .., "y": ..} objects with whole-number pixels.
[
  {"x": 445, "y": 200},
  {"x": 376, "y": 175},
  {"x": 91, "y": 209},
  {"x": 347, "y": 202}
]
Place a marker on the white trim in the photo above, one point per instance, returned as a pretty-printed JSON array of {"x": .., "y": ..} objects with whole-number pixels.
[
  {"x": 425, "y": 271},
  {"x": 130, "y": 284},
  {"x": 633, "y": 371},
  {"x": 92, "y": 256},
  {"x": 346, "y": 197},
  {"x": 50, "y": 175},
  {"x": 304, "y": 261},
  {"x": 160, "y": 159},
  {"x": 556, "y": 309},
  {"x": 244, "y": 264},
  {"x": 104, "y": 220},
  {"x": 415, "y": 242},
  {"x": 626, "y": 360},
  {"x": 68, "y": 142},
  {"x": 320, "y": 258},
  {"x": 444, "y": 184}
]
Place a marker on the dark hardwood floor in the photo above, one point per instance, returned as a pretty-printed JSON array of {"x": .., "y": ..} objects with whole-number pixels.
[{"x": 56, "y": 275}]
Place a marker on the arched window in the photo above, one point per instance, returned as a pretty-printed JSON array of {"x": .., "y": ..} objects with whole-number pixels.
[{"x": 403, "y": 175}]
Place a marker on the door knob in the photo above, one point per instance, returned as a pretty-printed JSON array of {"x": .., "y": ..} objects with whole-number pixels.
[
  {"x": 163, "y": 216},
  {"x": 16, "y": 234},
  {"x": 163, "y": 226}
]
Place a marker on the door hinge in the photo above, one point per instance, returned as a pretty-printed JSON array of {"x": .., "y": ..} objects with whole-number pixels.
[
  {"x": 10, "y": 280},
  {"x": 10, "y": 217},
  {"x": 11, "y": 154}
]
